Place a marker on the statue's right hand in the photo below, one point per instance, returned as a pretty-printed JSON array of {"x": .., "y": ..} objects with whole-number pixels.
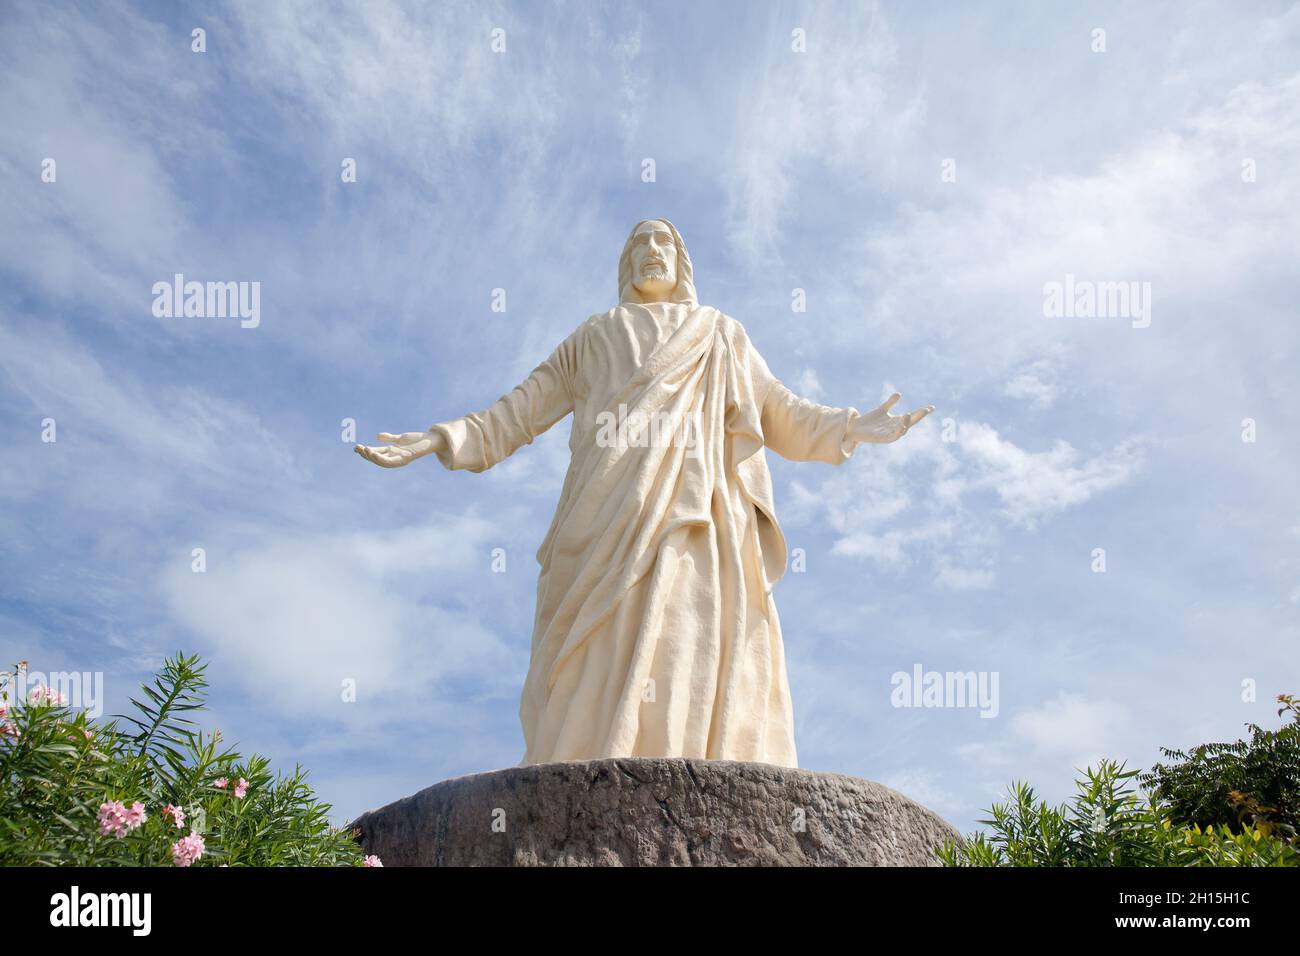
[{"x": 401, "y": 450}]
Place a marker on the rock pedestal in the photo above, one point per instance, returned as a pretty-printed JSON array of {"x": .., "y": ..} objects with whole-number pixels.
[{"x": 652, "y": 811}]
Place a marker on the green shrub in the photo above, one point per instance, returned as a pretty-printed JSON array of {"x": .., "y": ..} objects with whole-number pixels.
[
  {"x": 153, "y": 791},
  {"x": 1226, "y": 805},
  {"x": 1254, "y": 782},
  {"x": 1108, "y": 824}
]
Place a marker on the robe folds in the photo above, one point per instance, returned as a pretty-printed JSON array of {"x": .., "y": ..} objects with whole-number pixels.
[{"x": 655, "y": 632}]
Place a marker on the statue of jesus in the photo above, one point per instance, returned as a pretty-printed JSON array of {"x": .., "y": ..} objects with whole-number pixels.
[{"x": 655, "y": 633}]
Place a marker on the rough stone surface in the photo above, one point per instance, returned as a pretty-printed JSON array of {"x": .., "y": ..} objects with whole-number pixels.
[{"x": 654, "y": 812}]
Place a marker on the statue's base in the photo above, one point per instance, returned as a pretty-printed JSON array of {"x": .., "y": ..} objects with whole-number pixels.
[{"x": 654, "y": 811}]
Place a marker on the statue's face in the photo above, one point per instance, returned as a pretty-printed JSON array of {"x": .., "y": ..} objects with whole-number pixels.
[{"x": 654, "y": 261}]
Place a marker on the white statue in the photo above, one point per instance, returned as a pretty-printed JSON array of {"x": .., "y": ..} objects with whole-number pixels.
[{"x": 655, "y": 632}]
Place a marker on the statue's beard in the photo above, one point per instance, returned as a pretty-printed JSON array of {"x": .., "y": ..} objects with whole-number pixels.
[{"x": 654, "y": 270}]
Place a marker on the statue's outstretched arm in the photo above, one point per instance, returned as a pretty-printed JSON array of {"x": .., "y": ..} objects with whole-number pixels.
[
  {"x": 801, "y": 430},
  {"x": 478, "y": 441}
]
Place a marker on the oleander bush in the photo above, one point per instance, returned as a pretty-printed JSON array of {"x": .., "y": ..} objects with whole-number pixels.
[
  {"x": 151, "y": 790},
  {"x": 1223, "y": 805}
]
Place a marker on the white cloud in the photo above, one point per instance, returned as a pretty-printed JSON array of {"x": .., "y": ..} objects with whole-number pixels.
[
  {"x": 89, "y": 98},
  {"x": 925, "y": 498},
  {"x": 966, "y": 579},
  {"x": 107, "y": 418},
  {"x": 291, "y": 618},
  {"x": 1073, "y": 727},
  {"x": 809, "y": 385},
  {"x": 833, "y": 104},
  {"x": 1167, "y": 207},
  {"x": 1035, "y": 485},
  {"x": 1035, "y": 383},
  {"x": 925, "y": 787}
]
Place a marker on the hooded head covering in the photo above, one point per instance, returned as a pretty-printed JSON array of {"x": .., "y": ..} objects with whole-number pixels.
[{"x": 684, "y": 291}]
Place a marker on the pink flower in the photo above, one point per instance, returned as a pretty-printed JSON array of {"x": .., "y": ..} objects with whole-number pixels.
[
  {"x": 241, "y": 789},
  {"x": 112, "y": 818},
  {"x": 108, "y": 817},
  {"x": 116, "y": 819},
  {"x": 135, "y": 816},
  {"x": 220, "y": 783},
  {"x": 177, "y": 815},
  {"x": 187, "y": 849},
  {"x": 4, "y": 709},
  {"x": 8, "y": 729},
  {"x": 372, "y": 860},
  {"x": 48, "y": 695}
]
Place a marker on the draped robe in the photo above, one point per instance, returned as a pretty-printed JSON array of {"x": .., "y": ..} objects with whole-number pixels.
[{"x": 655, "y": 631}]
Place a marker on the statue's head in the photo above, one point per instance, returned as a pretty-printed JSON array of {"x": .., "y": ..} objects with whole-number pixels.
[{"x": 655, "y": 266}]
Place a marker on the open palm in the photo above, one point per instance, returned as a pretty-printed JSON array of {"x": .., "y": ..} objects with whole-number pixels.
[
  {"x": 401, "y": 450},
  {"x": 879, "y": 427}
]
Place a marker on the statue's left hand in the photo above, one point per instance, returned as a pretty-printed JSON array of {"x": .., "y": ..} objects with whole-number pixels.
[{"x": 879, "y": 427}]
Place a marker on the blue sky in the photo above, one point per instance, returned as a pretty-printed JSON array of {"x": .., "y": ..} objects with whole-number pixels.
[{"x": 521, "y": 170}]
